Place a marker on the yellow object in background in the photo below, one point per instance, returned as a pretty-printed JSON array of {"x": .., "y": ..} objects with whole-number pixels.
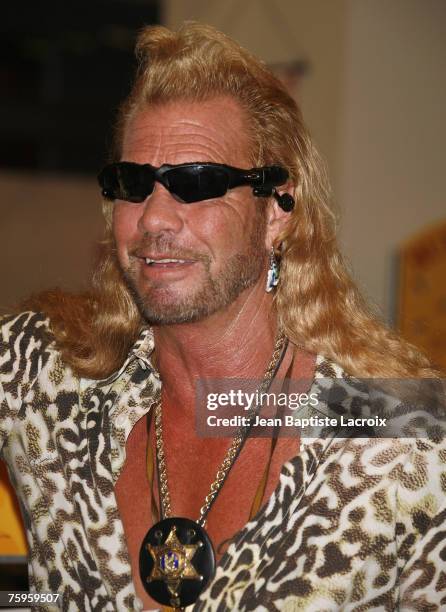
[
  {"x": 12, "y": 536},
  {"x": 422, "y": 300}
]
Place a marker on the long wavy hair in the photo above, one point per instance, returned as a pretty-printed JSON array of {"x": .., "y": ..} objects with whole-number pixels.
[{"x": 318, "y": 305}]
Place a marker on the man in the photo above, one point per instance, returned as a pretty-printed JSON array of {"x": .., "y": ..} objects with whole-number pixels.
[{"x": 99, "y": 391}]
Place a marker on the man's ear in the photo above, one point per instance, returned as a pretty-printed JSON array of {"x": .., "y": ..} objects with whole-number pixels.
[{"x": 276, "y": 217}]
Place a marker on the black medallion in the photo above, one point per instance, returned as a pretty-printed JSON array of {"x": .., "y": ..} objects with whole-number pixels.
[{"x": 176, "y": 562}]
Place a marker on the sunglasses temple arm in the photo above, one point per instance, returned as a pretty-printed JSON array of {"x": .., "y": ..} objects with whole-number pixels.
[
  {"x": 271, "y": 176},
  {"x": 267, "y": 179}
]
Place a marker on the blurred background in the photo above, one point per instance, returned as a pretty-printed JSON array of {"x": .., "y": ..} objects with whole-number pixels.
[{"x": 368, "y": 74}]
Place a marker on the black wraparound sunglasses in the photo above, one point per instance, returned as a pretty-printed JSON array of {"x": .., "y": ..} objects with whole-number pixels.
[{"x": 191, "y": 182}]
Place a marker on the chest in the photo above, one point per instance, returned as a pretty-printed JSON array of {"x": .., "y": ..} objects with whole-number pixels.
[{"x": 192, "y": 466}]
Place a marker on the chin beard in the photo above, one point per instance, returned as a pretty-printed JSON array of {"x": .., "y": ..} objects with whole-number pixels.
[{"x": 162, "y": 306}]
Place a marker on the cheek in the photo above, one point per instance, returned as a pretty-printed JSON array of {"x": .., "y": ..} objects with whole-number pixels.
[
  {"x": 221, "y": 227},
  {"x": 125, "y": 219}
]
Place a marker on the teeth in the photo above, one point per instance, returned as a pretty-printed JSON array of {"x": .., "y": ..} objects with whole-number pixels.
[{"x": 152, "y": 261}]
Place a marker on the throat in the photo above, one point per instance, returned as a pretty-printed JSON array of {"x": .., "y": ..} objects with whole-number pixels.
[{"x": 237, "y": 341}]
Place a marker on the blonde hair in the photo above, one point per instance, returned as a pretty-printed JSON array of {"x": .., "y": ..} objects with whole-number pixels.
[{"x": 317, "y": 304}]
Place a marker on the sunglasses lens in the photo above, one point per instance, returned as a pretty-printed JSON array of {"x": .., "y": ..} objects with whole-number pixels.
[
  {"x": 127, "y": 181},
  {"x": 196, "y": 183}
]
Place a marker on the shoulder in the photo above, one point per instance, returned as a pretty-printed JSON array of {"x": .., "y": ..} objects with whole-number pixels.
[
  {"x": 26, "y": 342},
  {"x": 26, "y": 324},
  {"x": 26, "y": 348},
  {"x": 20, "y": 331},
  {"x": 400, "y": 423}
]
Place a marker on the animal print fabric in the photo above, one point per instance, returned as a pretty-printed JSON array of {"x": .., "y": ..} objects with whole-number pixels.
[{"x": 354, "y": 524}]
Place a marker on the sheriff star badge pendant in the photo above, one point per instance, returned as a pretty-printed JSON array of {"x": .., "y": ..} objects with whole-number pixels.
[{"x": 176, "y": 561}]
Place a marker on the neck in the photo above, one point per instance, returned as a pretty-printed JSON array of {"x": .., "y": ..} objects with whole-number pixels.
[{"x": 237, "y": 342}]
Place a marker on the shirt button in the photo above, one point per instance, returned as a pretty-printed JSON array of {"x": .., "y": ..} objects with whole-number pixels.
[
  {"x": 138, "y": 604},
  {"x": 121, "y": 420}
]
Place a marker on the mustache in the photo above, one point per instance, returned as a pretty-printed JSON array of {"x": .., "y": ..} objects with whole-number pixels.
[{"x": 157, "y": 246}]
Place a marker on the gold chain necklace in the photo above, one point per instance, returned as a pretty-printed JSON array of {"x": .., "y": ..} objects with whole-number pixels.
[{"x": 168, "y": 548}]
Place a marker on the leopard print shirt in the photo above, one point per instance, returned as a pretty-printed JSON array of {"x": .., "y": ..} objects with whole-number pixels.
[{"x": 354, "y": 524}]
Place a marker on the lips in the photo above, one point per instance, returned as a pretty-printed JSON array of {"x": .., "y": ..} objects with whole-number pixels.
[
  {"x": 166, "y": 261},
  {"x": 160, "y": 264}
]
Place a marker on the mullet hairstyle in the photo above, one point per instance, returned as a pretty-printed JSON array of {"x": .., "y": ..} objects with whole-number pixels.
[{"x": 317, "y": 303}]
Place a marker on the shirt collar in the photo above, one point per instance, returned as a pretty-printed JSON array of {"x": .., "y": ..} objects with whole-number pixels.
[{"x": 142, "y": 350}]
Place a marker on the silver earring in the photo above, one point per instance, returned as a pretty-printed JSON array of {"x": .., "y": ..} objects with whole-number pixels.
[{"x": 273, "y": 272}]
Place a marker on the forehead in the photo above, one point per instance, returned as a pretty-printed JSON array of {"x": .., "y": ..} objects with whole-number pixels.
[{"x": 214, "y": 130}]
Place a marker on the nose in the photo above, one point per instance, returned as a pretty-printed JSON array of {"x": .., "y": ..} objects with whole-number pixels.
[{"x": 160, "y": 213}]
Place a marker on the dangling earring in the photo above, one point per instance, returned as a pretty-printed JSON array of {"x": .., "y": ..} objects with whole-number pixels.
[{"x": 273, "y": 272}]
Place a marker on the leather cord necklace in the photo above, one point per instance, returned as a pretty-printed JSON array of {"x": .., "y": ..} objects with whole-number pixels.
[{"x": 177, "y": 559}]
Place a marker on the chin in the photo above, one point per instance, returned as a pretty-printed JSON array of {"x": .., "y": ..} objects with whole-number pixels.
[{"x": 166, "y": 311}]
